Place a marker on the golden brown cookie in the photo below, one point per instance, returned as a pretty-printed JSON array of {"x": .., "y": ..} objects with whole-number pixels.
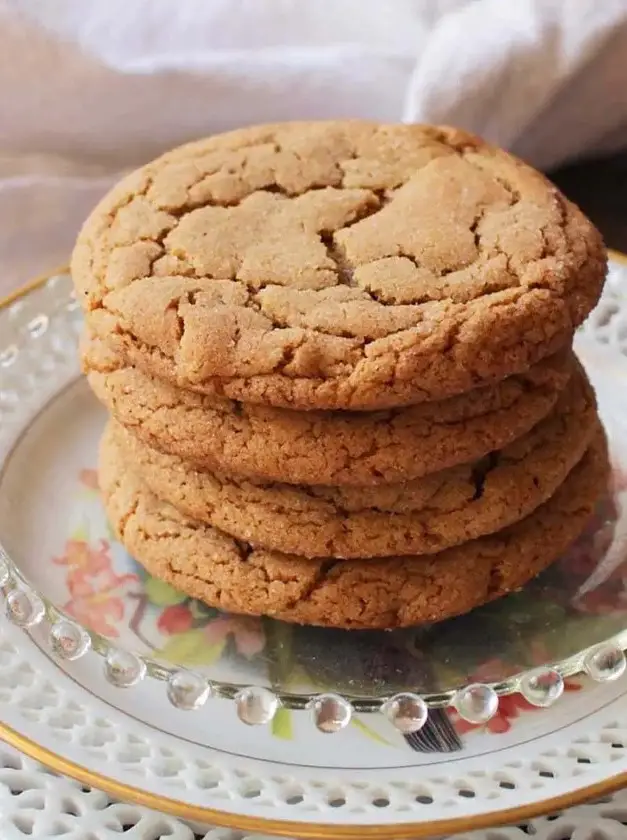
[
  {"x": 231, "y": 575},
  {"x": 424, "y": 516},
  {"x": 337, "y": 265},
  {"x": 317, "y": 447}
]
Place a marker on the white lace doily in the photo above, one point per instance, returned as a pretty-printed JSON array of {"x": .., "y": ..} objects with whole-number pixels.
[{"x": 41, "y": 805}]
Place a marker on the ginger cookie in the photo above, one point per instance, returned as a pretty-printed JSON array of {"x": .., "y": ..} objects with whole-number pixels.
[
  {"x": 423, "y": 516},
  {"x": 337, "y": 265},
  {"x": 317, "y": 447},
  {"x": 231, "y": 575}
]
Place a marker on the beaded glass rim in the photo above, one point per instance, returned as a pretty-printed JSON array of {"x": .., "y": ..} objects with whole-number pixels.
[{"x": 255, "y": 705}]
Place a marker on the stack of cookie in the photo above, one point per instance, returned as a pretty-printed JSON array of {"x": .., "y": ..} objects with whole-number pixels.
[{"x": 337, "y": 359}]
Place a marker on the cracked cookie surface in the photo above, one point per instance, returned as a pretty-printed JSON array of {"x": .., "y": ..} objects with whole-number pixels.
[
  {"x": 423, "y": 516},
  {"x": 360, "y": 594},
  {"x": 324, "y": 447},
  {"x": 337, "y": 265}
]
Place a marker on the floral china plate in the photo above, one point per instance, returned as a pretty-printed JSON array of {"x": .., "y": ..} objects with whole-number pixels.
[{"x": 512, "y": 710}]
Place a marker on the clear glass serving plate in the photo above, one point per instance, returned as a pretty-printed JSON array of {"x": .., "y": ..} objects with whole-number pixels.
[{"x": 62, "y": 571}]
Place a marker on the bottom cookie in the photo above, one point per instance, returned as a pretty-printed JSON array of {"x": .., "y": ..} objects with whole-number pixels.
[{"x": 353, "y": 594}]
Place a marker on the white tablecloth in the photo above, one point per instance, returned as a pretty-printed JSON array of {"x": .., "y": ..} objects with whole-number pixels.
[{"x": 88, "y": 89}]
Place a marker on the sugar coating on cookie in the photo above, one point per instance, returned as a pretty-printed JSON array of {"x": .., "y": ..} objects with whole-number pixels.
[
  {"x": 356, "y": 594},
  {"x": 336, "y": 265},
  {"x": 423, "y": 516}
]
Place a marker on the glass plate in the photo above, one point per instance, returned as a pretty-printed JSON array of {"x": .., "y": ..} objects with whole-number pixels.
[{"x": 62, "y": 569}]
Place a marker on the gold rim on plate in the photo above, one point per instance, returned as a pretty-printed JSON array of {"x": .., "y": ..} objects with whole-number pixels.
[{"x": 305, "y": 830}]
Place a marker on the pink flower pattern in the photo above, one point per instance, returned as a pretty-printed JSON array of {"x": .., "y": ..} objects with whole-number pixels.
[
  {"x": 94, "y": 586},
  {"x": 511, "y": 706},
  {"x": 247, "y": 633}
]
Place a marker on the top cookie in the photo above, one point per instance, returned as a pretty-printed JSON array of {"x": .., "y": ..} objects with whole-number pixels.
[{"x": 337, "y": 265}]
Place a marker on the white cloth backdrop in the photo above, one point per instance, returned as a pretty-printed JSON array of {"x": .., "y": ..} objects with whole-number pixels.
[{"x": 89, "y": 88}]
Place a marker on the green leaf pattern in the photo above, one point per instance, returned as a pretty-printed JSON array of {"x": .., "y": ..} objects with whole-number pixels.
[
  {"x": 191, "y": 649},
  {"x": 162, "y": 594}
]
